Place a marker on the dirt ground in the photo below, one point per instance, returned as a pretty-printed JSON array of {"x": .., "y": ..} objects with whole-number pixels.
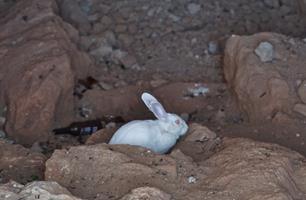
[{"x": 163, "y": 46}]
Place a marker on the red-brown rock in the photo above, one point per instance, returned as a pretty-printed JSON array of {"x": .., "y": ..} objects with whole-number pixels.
[
  {"x": 108, "y": 170},
  {"x": 241, "y": 169},
  {"x": 20, "y": 164},
  {"x": 39, "y": 64},
  {"x": 247, "y": 169},
  {"x": 263, "y": 89}
]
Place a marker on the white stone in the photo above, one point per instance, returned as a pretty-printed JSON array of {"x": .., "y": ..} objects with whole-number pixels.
[{"x": 265, "y": 52}]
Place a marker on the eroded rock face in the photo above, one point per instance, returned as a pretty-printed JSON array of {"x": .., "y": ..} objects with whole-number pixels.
[
  {"x": 242, "y": 169},
  {"x": 113, "y": 171},
  {"x": 39, "y": 64},
  {"x": 118, "y": 102},
  {"x": 262, "y": 88},
  {"x": 20, "y": 164},
  {"x": 178, "y": 97},
  {"x": 246, "y": 169},
  {"x": 35, "y": 190}
]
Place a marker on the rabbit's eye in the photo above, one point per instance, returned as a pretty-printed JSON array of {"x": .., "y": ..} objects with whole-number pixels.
[{"x": 177, "y": 122}]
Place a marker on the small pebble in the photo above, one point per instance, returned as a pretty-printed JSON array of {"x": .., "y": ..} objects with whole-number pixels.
[
  {"x": 213, "y": 47},
  {"x": 174, "y": 17},
  {"x": 210, "y": 107},
  {"x": 272, "y": 3},
  {"x": 37, "y": 148},
  {"x": 194, "y": 40},
  {"x": 302, "y": 91},
  {"x": 110, "y": 125},
  {"x": 298, "y": 82},
  {"x": 192, "y": 179},
  {"x": 300, "y": 108},
  {"x": 2, "y": 121},
  {"x": 94, "y": 17},
  {"x": 2, "y": 134},
  {"x": 120, "y": 83},
  {"x": 292, "y": 41},
  {"x": 85, "y": 112},
  {"x": 151, "y": 12},
  {"x": 105, "y": 86},
  {"x": 193, "y": 8},
  {"x": 85, "y": 6},
  {"x": 157, "y": 83},
  {"x": 297, "y": 135}
]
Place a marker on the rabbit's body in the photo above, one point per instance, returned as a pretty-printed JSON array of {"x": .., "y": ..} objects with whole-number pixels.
[
  {"x": 158, "y": 135},
  {"x": 155, "y": 138}
]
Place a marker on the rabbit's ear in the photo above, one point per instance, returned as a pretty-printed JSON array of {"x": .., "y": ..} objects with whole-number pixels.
[{"x": 154, "y": 106}]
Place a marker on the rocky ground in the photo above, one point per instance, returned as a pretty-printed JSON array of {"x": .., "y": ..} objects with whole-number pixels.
[{"x": 67, "y": 61}]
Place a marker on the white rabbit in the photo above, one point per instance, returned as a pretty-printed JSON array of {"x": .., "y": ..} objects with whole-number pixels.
[{"x": 158, "y": 135}]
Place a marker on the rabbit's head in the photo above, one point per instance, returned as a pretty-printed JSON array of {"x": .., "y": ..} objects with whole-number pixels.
[{"x": 169, "y": 122}]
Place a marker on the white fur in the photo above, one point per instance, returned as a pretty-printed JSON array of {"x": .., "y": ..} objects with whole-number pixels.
[{"x": 158, "y": 135}]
